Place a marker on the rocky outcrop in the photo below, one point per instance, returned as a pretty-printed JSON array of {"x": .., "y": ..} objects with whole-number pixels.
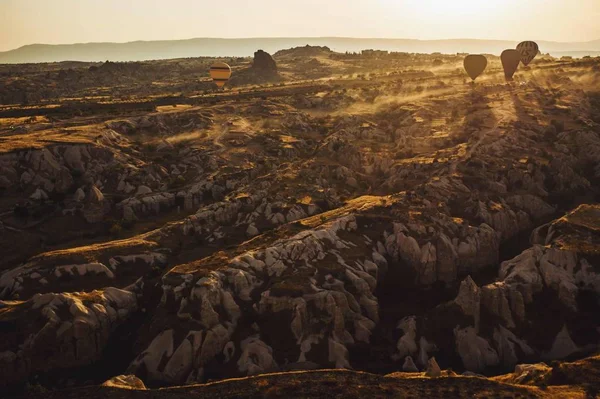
[
  {"x": 433, "y": 369},
  {"x": 510, "y": 348},
  {"x": 493, "y": 323},
  {"x": 473, "y": 249},
  {"x": 256, "y": 357},
  {"x": 529, "y": 374},
  {"x": 38, "y": 276},
  {"x": 476, "y": 352},
  {"x": 152, "y": 204},
  {"x": 53, "y": 169},
  {"x": 469, "y": 299},
  {"x": 57, "y": 331},
  {"x": 263, "y": 63},
  {"x": 409, "y": 365},
  {"x": 125, "y": 382},
  {"x": 335, "y": 308},
  {"x": 407, "y": 344},
  {"x": 562, "y": 347}
]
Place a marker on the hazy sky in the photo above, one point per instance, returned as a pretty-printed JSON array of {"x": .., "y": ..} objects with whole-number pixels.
[{"x": 69, "y": 21}]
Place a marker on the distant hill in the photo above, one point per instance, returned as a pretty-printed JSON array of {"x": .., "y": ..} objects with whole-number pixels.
[
  {"x": 150, "y": 50},
  {"x": 303, "y": 51}
]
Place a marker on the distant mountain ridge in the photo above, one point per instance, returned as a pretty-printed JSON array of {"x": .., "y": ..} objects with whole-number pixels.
[{"x": 214, "y": 47}]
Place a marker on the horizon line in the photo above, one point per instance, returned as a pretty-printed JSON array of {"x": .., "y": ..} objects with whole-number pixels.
[{"x": 287, "y": 37}]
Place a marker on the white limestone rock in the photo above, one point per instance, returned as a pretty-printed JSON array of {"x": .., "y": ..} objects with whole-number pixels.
[
  {"x": 338, "y": 354},
  {"x": 407, "y": 345},
  {"x": 409, "y": 365},
  {"x": 95, "y": 196},
  {"x": 562, "y": 347},
  {"x": 39, "y": 195},
  {"x": 79, "y": 195},
  {"x": 143, "y": 190},
  {"x": 475, "y": 351},
  {"x": 252, "y": 231},
  {"x": 538, "y": 374},
  {"x": 507, "y": 343},
  {"x": 256, "y": 358},
  {"x": 469, "y": 299},
  {"x": 82, "y": 270},
  {"x": 433, "y": 369}
]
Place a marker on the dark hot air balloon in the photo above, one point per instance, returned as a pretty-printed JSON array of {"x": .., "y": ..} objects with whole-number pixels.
[
  {"x": 510, "y": 62},
  {"x": 220, "y": 73},
  {"x": 528, "y": 51},
  {"x": 475, "y": 64}
]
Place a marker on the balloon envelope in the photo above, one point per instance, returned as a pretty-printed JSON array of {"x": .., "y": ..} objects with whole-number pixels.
[
  {"x": 510, "y": 62},
  {"x": 220, "y": 73},
  {"x": 528, "y": 50},
  {"x": 475, "y": 65}
]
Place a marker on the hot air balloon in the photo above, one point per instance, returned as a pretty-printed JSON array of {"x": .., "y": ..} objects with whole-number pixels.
[
  {"x": 475, "y": 64},
  {"x": 510, "y": 62},
  {"x": 220, "y": 73},
  {"x": 528, "y": 50}
]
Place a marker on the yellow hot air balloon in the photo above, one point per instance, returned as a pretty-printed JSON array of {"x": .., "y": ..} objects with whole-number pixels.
[
  {"x": 220, "y": 73},
  {"x": 475, "y": 64},
  {"x": 528, "y": 50},
  {"x": 510, "y": 62}
]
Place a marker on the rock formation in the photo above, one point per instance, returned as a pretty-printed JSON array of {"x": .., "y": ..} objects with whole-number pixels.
[
  {"x": 433, "y": 370},
  {"x": 125, "y": 382},
  {"x": 263, "y": 63},
  {"x": 409, "y": 365},
  {"x": 320, "y": 224},
  {"x": 61, "y": 331}
]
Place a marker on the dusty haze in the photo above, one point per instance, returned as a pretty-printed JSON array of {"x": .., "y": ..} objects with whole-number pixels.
[{"x": 25, "y": 22}]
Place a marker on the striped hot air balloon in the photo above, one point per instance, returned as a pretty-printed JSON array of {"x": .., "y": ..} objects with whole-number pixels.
[
  {"x": 220, "y": 73},
  {"x": 528, "y": 50}
]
